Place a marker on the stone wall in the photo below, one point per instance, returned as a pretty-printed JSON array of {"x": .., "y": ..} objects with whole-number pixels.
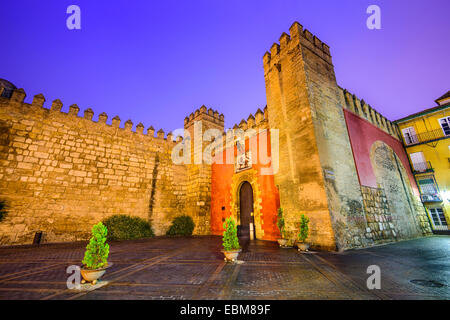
[
  {"x": 378, "y": 215},
  {"x": 61, "y": 173}
]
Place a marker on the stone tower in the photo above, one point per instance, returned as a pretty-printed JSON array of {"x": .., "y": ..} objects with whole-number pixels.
[
  {"x": 317, "y": 175},
  {"x": 198, "y": 191}
]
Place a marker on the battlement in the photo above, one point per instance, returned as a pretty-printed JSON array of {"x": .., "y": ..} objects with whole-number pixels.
[
  {"x": 204, "y": 114},
  {"x": 364, "y": 110},
  {"x": 297, "y": 36},
  {"x": 18, "y": 97},
  {"x": 259, "y": 120}
]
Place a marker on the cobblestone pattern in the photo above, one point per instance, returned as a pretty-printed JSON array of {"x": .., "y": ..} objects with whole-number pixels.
[{"x": 193, "y": 268}]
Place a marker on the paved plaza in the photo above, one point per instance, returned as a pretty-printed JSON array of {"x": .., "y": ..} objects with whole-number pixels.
[{"x": 193, "y": 268}]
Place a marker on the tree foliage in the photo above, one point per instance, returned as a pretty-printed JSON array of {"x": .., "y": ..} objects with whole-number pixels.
[
  {"x": 280, "y": 222},
  {"x": 304, "y": 228},
  {"x": 123, "y": 227},
  {"x": 97, "y": 250},
  {"x": 181, "y": 226},
  {"x": 230, "y": 238}
]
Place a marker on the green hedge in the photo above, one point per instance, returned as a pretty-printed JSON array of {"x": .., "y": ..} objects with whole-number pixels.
[
  {"x": 181, "y": 226},
  {"x": 123, "y": 227}
]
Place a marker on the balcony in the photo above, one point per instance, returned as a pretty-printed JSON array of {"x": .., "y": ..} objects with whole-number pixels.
[
  {"x": 424, "y": 137},
  {"x": 422, "y": 167},
  {"x": 431, "y": 197}
]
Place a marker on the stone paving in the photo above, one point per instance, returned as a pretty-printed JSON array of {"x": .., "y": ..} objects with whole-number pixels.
[{"x": 193, "y": 268}]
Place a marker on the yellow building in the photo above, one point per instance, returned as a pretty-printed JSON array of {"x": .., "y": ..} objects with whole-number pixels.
[{"x": 426, "y": 136}]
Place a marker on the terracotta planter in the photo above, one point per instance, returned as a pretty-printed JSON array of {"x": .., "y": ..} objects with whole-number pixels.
[
  {"x": 231, "y": 255},
  {"x": 302, "y": 246},
  {"x": 93, "y": 275}
]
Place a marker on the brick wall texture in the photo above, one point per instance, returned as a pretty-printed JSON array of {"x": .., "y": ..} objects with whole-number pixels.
[{"x": 63, "y": 172}]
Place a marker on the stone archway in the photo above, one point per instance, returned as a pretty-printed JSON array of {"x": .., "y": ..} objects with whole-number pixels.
[{"x": 251, "y": 177}]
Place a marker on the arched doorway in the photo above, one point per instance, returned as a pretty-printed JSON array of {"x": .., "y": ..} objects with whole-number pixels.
[{"x": 247, "y": 230}]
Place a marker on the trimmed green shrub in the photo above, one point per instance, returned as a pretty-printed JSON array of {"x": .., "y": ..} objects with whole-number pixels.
[
  {"x": 97, "y": 250},
  {"x": 3, "y": 210},
  {"x": 181, "y": 226},
  {"x": 280, "y": 222},
  {"x": 304, "y": 228},
  {"x": 230, "y": 238},
  {"x": 123, "y": 227}
]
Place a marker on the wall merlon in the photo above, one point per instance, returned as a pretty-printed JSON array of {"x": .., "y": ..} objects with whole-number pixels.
[
  {"x": 128, "y": 125},
  {"x": 140, "y": 128},
  {"x": 243, "y": 124},
  {"x": 102, "y": 117},
  {"x": 116, "y": 122},
  {"x": 251, "y": 121},
  {"x": 266, "y": 58},
  {"x": 274, "y": 50},
  {"x": 18, "y": 95},
  {"x": 56, "y": 105},
  {"x": 296, "y": 30},
  {"x": 74, "y": 109},
  {"x": 38, "y": 100},
  {"x": 160, "y": 134},
  {"x": 88, "y": 114},
  {"x": 151, "y": 131},
  {"x": 308, "y": 36},
  {"x": 284, "y": 40},
  {"x": 259, "y": 116}
]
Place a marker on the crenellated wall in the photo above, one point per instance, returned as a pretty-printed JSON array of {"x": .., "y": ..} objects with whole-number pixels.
[
  {"x": 365, "y": 111},
  {"x": 318, "y": 175},
  {"x": 61, "y": 172},
  {"x": 341, "y": 163}
]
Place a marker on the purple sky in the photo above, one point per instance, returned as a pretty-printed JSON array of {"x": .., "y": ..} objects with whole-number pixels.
[{"x": 157, "y": 61}]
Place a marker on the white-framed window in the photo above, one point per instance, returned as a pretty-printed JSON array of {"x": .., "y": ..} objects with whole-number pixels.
[
  {"x": 418, "y": 161},
  {"x": 445, "y": 125},
  {"x": 410, "y": 136},
  {"x": 438, "y": 218}
]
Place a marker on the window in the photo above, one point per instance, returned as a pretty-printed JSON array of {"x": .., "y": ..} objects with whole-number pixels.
[
  {"x": 418, "y": 161},
  {"x": 445, "y": 125},
  {"x": 428, "y": 186},
  {"x": 438, "y": 217},
  {"x": 410, "y": 136}
]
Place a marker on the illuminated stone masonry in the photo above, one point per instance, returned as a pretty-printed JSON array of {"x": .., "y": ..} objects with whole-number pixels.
[{"x": 326, "y": 155}]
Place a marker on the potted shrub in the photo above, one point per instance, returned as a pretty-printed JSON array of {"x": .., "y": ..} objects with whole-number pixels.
[
  {"x": 96, "y": 255},
  {"x": 281, "y": 226},
  {"x": 231, "y": 246},
  {"x": 303, "y": 234}
]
